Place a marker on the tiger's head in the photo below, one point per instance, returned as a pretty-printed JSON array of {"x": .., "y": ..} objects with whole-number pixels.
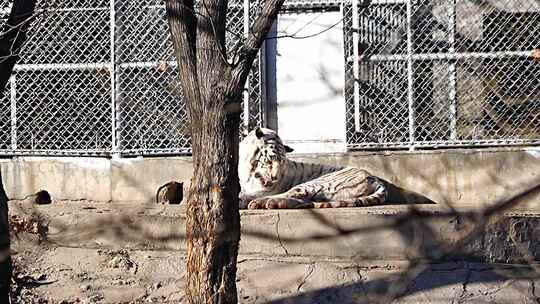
[{"x": 261, "y": 161}]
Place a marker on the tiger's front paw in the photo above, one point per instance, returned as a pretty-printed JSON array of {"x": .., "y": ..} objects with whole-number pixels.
[
  {"x": 279, "y": 203},
  {"x": 263, "y": 203},
  {"x": 257, "y": 204}
]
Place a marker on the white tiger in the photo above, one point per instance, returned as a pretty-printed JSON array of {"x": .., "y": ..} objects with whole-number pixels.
[{"x": 269, "y": 180}]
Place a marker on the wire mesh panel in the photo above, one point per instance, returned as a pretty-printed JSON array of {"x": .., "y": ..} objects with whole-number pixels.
[
  {"x": 256, "y": 94},
  {"x": 69, "y": 35},
  {"x": 5, "y": 119},
  {"x": 442, "y": 73},
  {"x": 57, "y": 111},
  {"x": 150, "y": 112},
  {"x": 99, "y": 76},
  {"x": 58, "y": 100},
  {"x": 151, "y": 115}
]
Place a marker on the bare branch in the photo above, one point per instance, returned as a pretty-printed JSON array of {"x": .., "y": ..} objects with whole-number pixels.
[
  {"x": 211, "y": 30},
  {"x": 183, "y": 28},
  {"x": 14, "y": 36},
  {"x": 249, "y": 50}
]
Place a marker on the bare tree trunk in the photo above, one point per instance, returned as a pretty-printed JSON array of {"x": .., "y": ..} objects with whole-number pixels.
[
  {"x": 212, "y": 90},
  {"x": 5, "y": 256},
  {"x": 213, "y": 219},
  {"x": 13, "y": 36}
]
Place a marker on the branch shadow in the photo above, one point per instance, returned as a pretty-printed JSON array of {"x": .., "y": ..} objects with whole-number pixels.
[{"x": 436, "y": 262}]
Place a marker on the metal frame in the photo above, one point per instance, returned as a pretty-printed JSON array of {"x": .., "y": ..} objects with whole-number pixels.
[
  {"x": 410, "y": 57},
  {"x": 118, "y": 69}
]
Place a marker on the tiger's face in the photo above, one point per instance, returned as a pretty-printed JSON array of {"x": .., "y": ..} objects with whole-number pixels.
[{"x": 261, "y": 159}]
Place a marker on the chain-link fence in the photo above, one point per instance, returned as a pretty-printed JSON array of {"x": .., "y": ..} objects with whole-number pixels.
[
  {"x": 99, "y": 76},
  {"x": 442, "y": 73}
]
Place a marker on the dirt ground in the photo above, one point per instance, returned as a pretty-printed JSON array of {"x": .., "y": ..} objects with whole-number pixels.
[
  {"x": 92, "y": 271},
  {"x": 80, "y": 275}
]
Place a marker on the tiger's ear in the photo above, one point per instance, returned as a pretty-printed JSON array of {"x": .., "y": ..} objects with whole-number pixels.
[
  {"x": 288, "y": 149},
  {"x": 259, "y": 133}
]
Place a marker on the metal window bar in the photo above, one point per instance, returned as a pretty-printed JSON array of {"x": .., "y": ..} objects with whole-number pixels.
[
  {"x": 356, "y": 66},
  {"x": 113, "y": 76},
  {"x": 410, "y": 93},
  {"x": 13, "y": 106},
  {"x": 246, "y": 11},
  {"x": 452, "y": 70}
]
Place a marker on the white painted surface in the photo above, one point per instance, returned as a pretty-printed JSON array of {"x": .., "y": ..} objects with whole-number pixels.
[{"x": 310, "y": 80}]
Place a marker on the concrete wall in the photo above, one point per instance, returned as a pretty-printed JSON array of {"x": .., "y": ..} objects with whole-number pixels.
[{"x": 460, "y": 177}]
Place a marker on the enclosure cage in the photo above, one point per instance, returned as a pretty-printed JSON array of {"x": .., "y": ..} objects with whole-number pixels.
[{"x": 98, "y": 77}]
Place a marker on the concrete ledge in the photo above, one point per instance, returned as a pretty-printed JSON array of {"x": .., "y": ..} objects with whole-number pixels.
[
  {"x": 458, "y": 177},
  {"x": 376, "y": 233}
]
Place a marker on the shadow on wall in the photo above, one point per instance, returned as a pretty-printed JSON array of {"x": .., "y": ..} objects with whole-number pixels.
[
  {"x": 485, "y": 236},
  {"x": 398, "y": 195}
]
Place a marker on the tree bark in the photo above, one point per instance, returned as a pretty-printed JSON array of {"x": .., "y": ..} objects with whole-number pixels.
[
  {"x": 212, "y": 90},
  {"x": 13, "y": 36},
  {"x": 5, "y": 256}
]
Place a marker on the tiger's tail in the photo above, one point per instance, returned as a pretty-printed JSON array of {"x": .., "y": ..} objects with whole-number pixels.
[
  {"x": 158, "y": 190},
  {"x": 378, "y": 197}
]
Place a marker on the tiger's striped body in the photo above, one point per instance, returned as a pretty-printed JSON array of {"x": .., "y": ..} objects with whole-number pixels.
[{"x": 269, "y": 180}]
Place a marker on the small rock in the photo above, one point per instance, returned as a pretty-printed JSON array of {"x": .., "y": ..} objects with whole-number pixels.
[
  {"x": 85, "y": 287},
  {"x": 157, "y": 285},
  {"x": 96, "y": 298},
  {"x": 115, "y": 262}
]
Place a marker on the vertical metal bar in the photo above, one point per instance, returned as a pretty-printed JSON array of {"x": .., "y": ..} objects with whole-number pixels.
[
  {"x": 262, "y": 85},
  {"x": 356, "y": 65},
  {"x": 410, "y": 96},
  {"x": 452, "y": 70},
  {"x": 246, "y": 86},
  {"x": 112, "y": 69},
  {"x": 13, "y": 102}
]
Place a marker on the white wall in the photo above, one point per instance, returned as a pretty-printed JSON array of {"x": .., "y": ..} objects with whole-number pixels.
[{"x": 309, "y": 81}]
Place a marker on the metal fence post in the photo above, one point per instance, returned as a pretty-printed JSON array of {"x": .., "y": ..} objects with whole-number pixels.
[
  {"x": 410, "y": 96},
  {"x": 112, "y": 69},
  {"x": 452, "y": 70},
  {"x": 356, "y": 65},
  {"x": 13, "y": 102},
  {"x": 246, "y": 85}
]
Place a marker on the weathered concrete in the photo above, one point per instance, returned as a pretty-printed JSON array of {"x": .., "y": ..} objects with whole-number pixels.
[
  {"x": 65, "y": 178},
  {"x": 352, "y": 234},
  {"x": 137, "y": 179},
  {"x": 457, "y": 177}
]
